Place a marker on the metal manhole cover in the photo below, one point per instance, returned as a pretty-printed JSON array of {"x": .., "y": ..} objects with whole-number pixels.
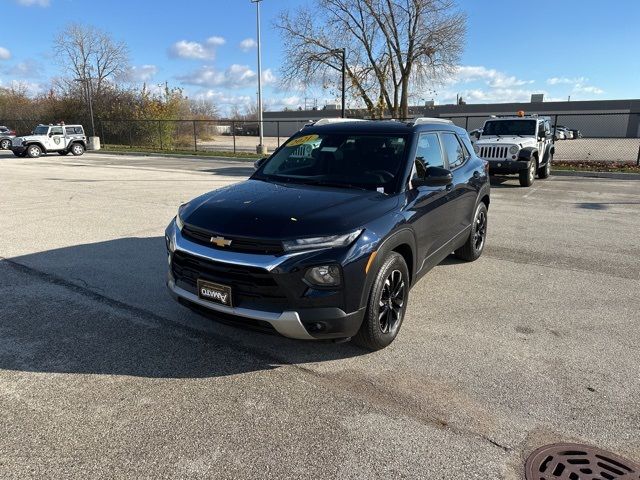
[{"x": 571, "y": 461}]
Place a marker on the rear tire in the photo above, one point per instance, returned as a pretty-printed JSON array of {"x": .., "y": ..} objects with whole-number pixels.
[
  {"x": 386, "y": 306},
  {"x": 528, "y": 176},
  {"x": 545, "y": 171},
  {"x": 473, "y": 247},
  {"x": 5, "y": 144},
  {"x": 77, "y": 149},
  {"x": 34, "y": 151}
]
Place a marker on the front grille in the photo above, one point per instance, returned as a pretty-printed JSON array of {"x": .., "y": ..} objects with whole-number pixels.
[
  {"x": 493, "y": 152},
  {"x": 238, "y": 244},
  {"x": 248, "y": 284}
]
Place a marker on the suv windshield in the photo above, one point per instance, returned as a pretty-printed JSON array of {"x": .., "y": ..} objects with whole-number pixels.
[
  {"x": 41, "y": 130},
  {"x": 510, "y": 127},
  {"x": 339, "y": 160}
]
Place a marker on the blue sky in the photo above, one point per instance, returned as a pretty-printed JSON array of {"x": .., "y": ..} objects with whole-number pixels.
[{"x": 585, "y": 49}]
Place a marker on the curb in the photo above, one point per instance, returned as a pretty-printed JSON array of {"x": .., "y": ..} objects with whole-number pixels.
[
  {"x": 173, "y": 155},
  {"x": 612, "y": 175}
]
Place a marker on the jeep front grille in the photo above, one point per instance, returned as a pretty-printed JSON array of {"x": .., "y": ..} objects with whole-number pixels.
[{"x": 493, "y": 152}]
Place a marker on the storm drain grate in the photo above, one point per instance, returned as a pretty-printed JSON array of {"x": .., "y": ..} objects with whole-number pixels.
[{"x": 570, "y": 461}]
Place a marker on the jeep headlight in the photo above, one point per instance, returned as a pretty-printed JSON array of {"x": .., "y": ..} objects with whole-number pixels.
[
  {"x": 476, "y": 149},
  {"x": 321, "y": 242},
  {"x": 514, "y": 149}
]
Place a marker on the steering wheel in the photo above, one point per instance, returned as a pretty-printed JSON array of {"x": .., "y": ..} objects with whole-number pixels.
[{"x": 385, "y": 174}]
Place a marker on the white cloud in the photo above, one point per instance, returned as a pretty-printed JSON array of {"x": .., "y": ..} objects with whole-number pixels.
[
  {"x": 5, "y": 54},
  {"x": 491, "y": 77},
  {"x": 26, "y": 69},
  {"x": 222, "y": 99},
  {"x": 248, "y": 44},
  {"x": 30, "y": 3},
  {"x": 143, "y": 73},
  {"x": 579, "y": 85},
  {"x": 490, "y": 95},
  {"x": 196, "y": 50},
  {"x": 236, "y": 76}
]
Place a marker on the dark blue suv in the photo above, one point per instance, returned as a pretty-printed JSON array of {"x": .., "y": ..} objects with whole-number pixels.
[{"x": 328, "y": 235}]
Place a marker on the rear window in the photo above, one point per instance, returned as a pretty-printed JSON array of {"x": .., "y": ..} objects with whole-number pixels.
[{"x": 74, "y": 131}]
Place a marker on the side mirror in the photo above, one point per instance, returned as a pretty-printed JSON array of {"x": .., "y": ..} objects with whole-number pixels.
[
  {"x": 434, "y": 177},
  {"x": 258, "y": 163}
]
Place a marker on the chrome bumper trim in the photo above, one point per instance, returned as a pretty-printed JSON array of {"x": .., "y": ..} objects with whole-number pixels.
[
  {"x": 268, "y": 262},
  {"x": 287, "y": 323}
]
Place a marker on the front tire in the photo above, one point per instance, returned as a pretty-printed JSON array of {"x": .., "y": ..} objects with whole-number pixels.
[
  {"x": 5, "y": 144},
  {"x": 528, "y": 176},
  {"x": 386, "y": 306},
  {"x": 34, "y": 151},
  {"x": 77, "y": 149},
  {"x": 473, "y": 247},
  {"x": 545, "y": 171}
]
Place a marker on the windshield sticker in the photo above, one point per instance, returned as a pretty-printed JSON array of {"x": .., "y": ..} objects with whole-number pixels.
[
  {"x": 302, "y": 140},
  {"x": 329, "y": 149}
]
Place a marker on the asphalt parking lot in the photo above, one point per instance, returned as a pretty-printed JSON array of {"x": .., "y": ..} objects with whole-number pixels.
[{"x": 103, "y": 375}]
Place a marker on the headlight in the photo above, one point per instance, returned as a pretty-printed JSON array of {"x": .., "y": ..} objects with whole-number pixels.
[
  {"x": 476, "y": 149},
  {"x": 320, "y": 242},
  {"x": 514, "y": 149},
  {"x": 179, "y": 221},
  {"x": 324, "y": 276}
]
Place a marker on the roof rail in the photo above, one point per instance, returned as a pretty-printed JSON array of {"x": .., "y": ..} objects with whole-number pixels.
[
  {"x": 423, "y": 120},
  {"x": 328, "y": 121}
]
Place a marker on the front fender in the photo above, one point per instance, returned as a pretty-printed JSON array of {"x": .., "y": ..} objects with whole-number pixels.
[
  {"x": 527, "y": 153},
  {"x": 401, "y": 237},
  {"x": 42, "y": 147}
]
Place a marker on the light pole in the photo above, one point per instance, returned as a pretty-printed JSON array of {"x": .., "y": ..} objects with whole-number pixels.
[
  {"x": 343, "y": 53},
  {"x": 261, "y": 149}
]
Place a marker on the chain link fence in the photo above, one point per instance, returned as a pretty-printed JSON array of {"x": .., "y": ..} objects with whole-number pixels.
[
  {"x": 584, "y": 137},
  {"x": 593, "y": 137}
]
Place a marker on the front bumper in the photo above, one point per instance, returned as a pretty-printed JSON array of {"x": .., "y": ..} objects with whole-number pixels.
[
  {"x": 18, "y": 149},
  {"x": 318, "y": 316},
  {"x": 507, "y": 166}
]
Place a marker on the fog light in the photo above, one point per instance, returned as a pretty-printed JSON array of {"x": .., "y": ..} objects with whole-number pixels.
[{"x": 324, "y": 276}]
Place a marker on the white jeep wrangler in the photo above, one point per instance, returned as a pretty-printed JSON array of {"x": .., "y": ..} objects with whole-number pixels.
[
  {"x": 521, "y": 144},
  {"x": 59, "y": 138}
]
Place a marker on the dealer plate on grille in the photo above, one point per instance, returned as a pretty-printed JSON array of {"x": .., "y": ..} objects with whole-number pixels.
[{"x": 214, "y": 292}]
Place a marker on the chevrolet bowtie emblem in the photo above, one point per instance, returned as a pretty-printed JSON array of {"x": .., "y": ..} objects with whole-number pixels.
[{"x": 220, "y": 241}]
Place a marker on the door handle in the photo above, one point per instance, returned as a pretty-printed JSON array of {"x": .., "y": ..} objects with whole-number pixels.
[{"x": 476, "y": 174}]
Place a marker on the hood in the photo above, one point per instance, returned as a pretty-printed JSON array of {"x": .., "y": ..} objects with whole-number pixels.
[
  {"x": 27, "y": 138},
  {"x": 259, "y": 209},
  {"x": 494, "y": 140}
]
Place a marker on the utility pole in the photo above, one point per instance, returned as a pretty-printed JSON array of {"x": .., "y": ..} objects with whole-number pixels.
[
  {"x": 343, "y": 52},
  {"x": 261, "y": 149}
]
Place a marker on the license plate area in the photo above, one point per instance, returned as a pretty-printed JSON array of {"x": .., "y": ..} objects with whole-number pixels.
[{"x": 215, "y": 293}]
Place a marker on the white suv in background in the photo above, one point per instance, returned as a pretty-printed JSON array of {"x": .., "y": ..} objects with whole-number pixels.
[
  {"x": 60, "y": 138},
  {"x": 519, "y": 144}
]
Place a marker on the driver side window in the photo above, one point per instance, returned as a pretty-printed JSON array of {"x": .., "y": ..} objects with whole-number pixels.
[
  {"x": 428, "y": 154},
  {"x": 56, "y": 131}
]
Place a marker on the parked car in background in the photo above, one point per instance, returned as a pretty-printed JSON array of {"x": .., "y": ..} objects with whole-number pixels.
[
  {"x": 6, "y": 135},
  {"x": 560, "y": 132},
  {"x": 63, "y": 139},
  {"x": 327, "y": 237},
  {"x": 517, "y": 144},
  {"x": 576, "y": 134}
]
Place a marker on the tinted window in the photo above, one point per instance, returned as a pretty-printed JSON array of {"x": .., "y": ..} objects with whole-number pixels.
[
  {"x": 73, "y": 130},
  {"x": 429, "y": 151},
  {"x": 510, "y": 127},
  {"x": 456, "y": 153},
  {"x": 339, "y": 159}
]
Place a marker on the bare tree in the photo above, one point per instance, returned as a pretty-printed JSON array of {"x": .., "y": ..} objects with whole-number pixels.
[
  {"x": 393, "y": 46},
  {"x": 93, "y": 56}
]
